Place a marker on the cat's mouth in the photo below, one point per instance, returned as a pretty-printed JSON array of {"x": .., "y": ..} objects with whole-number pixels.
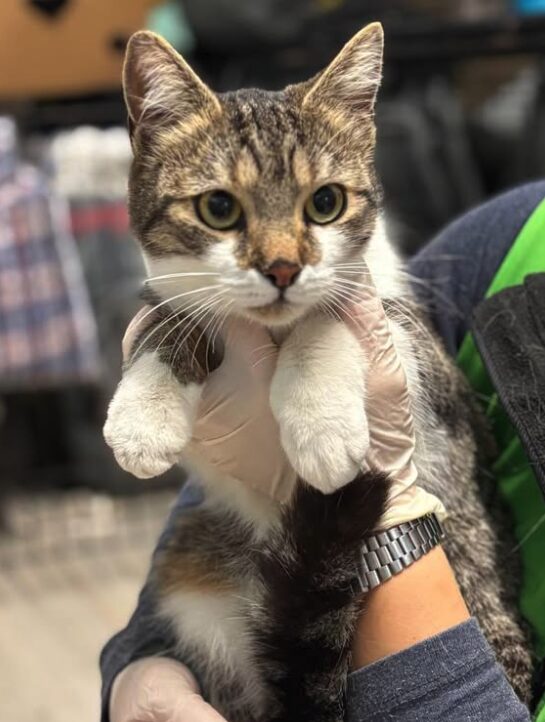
[{"x": 276, "y": 313}]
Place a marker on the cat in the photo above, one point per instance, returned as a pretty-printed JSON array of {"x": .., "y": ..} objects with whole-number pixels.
[{"x": 264, "y": 204}]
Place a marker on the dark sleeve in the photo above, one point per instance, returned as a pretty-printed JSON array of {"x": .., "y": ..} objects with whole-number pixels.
[
  {"x": 145, "y": 634},
  {"x": 452, "y": 677},
  {"x": 453, "y": 272}
]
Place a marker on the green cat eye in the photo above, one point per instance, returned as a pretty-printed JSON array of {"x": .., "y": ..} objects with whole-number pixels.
[
  {"x": 326, "y": 204},
  {"x": 219, "y": 210}
]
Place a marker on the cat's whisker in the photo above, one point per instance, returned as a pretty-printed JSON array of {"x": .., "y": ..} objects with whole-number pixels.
[
  {"x": 217, "y": 312},
  {"x": 356, "y": 284},
  {"x": 529, "y": 534},
  {"x": 349, "y": 294},
  {"x": 204, "y": 329},
  {"x": 196, "y": 304},
  {"x": 217, "y": 321},
  {"x": 405, "y": 313},
  {"x": 197, "y": 317},
  {"x": 262, "y": 359},
  {"x": 152, "y": 332},
  {"x": 211, "y": 341},
  {"x": 221, "y": 318},
  {"x": 181, "y": 274},
  {"x": 199, "y": 310},
  {"x": 173, "y": 298},
  {"x": 168, "y": 318},
  {"x": 265, "y": 345},
  {"x": 325, "y": 304},
  {"x": 336, "y": 299},
  {"x": 351, "y": 264}
]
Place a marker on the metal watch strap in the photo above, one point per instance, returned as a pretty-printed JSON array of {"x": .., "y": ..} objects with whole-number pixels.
[{"x": 387, "y": 553}]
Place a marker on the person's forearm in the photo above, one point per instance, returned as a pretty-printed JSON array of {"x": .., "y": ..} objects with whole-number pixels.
[
  {"x": 418, "y": 657},
  {"x": 416, "y": 604}
]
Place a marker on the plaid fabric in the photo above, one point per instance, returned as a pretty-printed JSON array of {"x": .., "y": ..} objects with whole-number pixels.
[{"x": 47, "y": 329}]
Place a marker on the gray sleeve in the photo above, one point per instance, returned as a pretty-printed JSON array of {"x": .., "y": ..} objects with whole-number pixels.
[
  {"x": 452, "y": 677},
  {"x": 145, "y": 634}
]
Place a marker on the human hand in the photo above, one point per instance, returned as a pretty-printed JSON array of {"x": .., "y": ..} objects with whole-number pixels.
[
  {"x": 388, "y": 408},
  {"x": 235, "y": 430},
  {"x": 156, "y": 689}
]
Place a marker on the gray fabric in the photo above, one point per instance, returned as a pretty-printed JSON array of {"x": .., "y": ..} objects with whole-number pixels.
[
  {"x": 456, "y": 270},
  {"x": 452, "y": 677}
]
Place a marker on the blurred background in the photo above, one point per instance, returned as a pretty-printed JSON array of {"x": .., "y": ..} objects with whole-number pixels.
[{"x": 459, "y": 118}]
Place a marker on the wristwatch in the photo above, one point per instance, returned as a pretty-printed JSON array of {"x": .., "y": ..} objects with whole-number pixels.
[{"x": 387, "y": 553}]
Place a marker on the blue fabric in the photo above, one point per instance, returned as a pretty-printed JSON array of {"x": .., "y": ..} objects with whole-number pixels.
[
  {"x": 453, "y": 272},
  {"x": 452, "y": 677}
]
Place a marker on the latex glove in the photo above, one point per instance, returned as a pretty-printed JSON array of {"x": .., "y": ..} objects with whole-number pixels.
[
  {"x": 388, "y": 407},
  {"x": 235, "y": 430},
  {"x": 156, "y": 689}
]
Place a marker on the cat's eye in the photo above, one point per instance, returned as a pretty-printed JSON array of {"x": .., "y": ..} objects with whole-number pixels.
[
  {"x": 219, "y": 210},
  {"x": 326, "y": 204}
]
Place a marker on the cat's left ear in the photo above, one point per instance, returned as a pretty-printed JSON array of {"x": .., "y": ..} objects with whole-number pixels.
[
  {"x": 350, "y": 83},
  {"x": 159, "y": 85}
]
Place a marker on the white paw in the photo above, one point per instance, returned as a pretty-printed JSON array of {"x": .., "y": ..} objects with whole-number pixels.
[
  {"x": 318, "y": 400},
  {"x": 150, "y": 418},
  {"x": 326, "y": 450}
]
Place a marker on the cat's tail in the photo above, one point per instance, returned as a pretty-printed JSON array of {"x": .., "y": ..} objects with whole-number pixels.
[{"x": 312, "y": 599}]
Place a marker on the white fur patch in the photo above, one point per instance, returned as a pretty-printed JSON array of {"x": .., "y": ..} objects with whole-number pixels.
[
  {"x": 150, "y": 418},
  {"x": 216, "y": 624},
  {"x": 189, "y": 282},
  {"x": 384, "y": 263},
  {"x": 318, "y": 399}
]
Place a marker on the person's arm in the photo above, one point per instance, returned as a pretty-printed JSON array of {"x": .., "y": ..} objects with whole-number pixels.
[{"x": 418, "y": 656}]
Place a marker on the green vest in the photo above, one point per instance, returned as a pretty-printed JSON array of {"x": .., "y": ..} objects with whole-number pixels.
[{"x": 517, "y": 483}]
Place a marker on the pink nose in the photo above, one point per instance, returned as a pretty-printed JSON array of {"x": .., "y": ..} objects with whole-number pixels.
[{"x": 282, "y": 273}]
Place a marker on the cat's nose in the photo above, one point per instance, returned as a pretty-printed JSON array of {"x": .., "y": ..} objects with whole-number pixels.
[{"x": 282, "y": 273}]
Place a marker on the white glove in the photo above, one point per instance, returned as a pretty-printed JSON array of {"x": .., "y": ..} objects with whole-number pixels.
[
  {"x": 388, "y": 408},
  {"x": 236, "y": 432},
  {"x": 156, "y": 689}
]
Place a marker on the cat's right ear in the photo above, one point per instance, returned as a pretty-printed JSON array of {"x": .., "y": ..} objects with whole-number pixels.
[
  {"x": 349, "y": 85},
  {"x": 159, "y": 86}
]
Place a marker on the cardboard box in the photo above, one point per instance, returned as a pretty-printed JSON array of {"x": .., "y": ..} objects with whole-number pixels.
[{"x": 77, "y": 50}]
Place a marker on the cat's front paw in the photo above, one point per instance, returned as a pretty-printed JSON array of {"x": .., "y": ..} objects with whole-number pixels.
[
  {"x": 150, "y": 420},
  {"x": 326, "y": 446}
]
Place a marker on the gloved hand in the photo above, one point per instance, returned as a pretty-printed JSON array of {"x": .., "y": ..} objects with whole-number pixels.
[
  {"x": 236, "y": 431},
  {"x": 391, "y": 427},
  {"x": 156, "y": 689}
]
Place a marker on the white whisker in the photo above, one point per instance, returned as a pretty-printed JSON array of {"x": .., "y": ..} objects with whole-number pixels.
[
  {"x": 196, "y": 317},
  {"x": 173, "y": 298},
  {"x": 181, "y": 274}
]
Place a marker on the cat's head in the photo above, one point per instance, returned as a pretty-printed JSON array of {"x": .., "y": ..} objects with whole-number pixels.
[{"x": 256, "y": 202}]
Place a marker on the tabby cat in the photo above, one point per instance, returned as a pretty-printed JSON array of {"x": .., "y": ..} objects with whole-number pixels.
[{"x": 264, "y": 204}]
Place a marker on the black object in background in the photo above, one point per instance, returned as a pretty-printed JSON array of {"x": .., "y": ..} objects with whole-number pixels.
[{"x": 49, "y": 8}]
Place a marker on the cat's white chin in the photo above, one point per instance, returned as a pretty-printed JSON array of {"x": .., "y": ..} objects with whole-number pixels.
[{"x": 275, "y": 315}]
